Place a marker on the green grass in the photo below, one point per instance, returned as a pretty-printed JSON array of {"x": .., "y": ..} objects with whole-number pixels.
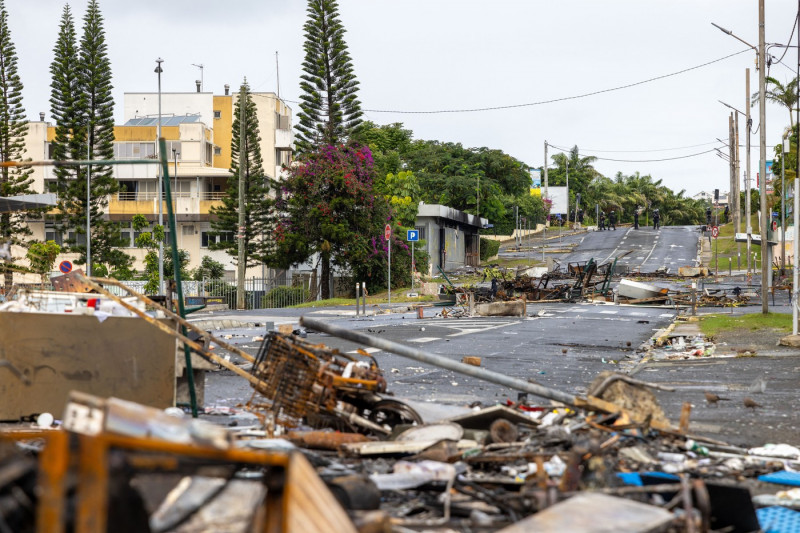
[
  {"x": 712, "y": 325},
  {"x": 724, "y": 250}
]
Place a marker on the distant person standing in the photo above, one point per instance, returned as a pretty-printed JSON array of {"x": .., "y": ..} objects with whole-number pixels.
[
  {"x": 656, "y": 219},
  {"x": 612, "y": 220},
  {"x": 601, "y": 222},
  {"x": 636, "y": 218},
  {"x": 580, "y": 216}
]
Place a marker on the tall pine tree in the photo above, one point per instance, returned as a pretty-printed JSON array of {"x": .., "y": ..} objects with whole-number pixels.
[
  {"x": 13, "y": 128},
  {"x": 330, "y": 109},
  {"x": 258, "y": 204},
  {"x": 83, "y": 108}
]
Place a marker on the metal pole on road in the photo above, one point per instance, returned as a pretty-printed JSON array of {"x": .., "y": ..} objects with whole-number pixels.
[
  {"x": 437, "y": 360},
  {"x": 795, "y": 271},
  {"x": 766, "y": 261}
]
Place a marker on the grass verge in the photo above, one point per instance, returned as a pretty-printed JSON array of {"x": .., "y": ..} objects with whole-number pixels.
[{"x": 712, "y": 325}]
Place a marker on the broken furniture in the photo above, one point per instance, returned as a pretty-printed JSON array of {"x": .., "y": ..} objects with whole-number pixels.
[
  {"x": 301, "y": 381},
  {"x": 90, "y": 473}
]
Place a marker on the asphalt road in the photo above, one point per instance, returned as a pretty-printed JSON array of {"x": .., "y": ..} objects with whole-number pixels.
[
  {"x": 564, "y": 347},
  {"x": 643, "y": 250}
]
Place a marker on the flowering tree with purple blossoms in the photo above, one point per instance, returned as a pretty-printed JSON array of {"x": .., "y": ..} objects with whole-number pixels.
[{"x": 329, "y": 207}]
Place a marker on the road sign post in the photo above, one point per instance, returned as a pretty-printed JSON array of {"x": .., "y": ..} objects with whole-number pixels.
[
  {"x": 387, "y": 233},
  {"x": 412, "y": 236},
  {"x": 715, "y": 234}
]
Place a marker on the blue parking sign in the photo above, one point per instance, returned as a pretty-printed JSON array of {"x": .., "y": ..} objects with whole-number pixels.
[{"x": 413, "y": 235}]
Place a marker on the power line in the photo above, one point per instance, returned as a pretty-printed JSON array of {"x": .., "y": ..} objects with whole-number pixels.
[
  {"x": 643, "y": 151},
  {"x": 553, "y": 100},
  {"x": 641, "y": 160}
]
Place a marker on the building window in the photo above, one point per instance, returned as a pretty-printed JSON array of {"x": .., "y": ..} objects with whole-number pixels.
[
  {"x": 176, "y": 146},
  {"x": 206, "y": 238},
  {"x": 217, "y": 114},
  {"x": 217, "y": 150},
  {"x": 134, "y": 150},
  {"x": 421, "y": 232},
  {"x": 209, "y": 151}
]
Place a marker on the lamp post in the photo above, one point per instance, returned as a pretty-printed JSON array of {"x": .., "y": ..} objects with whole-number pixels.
[
  {"x": 762, "y": 112},
  {"x": 158, "y": 71},
  {"x": 175, "y": 154}
]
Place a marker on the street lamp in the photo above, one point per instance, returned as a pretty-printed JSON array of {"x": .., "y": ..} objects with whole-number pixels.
[
  {"x": 766, "y": 264},
  {"x": 175, "y": 154},
  {"x": 158, "y": 71}
]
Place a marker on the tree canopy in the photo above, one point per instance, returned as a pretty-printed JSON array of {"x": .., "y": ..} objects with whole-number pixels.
[{"x": 329, "y": 107}]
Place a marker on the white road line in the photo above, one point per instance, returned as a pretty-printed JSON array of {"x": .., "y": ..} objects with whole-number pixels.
[
  {"x": 424, "y": 339},
  {"x": 607, "y": 259},
  {"x": 368, "y": 350}
]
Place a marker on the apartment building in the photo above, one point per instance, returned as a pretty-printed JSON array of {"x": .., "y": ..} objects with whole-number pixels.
[{"x": 197, "y": 127}]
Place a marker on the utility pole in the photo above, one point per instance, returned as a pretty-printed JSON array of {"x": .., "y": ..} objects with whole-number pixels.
[
  {"x": 747, "y": 214},
  {"x": 737, "y": 217},
  {"x": 766, "y": 262},
  {"x": 241, "y": 267},
  {"x": 784, "y": 151},
  {"x": 732, "y": 151},
  {"x": 796, "y": 247},
  {"x": 89, "y": 201}
]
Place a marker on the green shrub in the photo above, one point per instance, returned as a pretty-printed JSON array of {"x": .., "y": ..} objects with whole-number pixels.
[
  {"x": 489, "y": 248},
  {"x": 285, "y": 296}
]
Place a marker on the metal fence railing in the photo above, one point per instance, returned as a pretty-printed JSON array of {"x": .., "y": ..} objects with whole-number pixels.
[{"x": 292, "y": 288}]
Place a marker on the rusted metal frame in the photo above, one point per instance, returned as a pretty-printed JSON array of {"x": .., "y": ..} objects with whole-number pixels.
[
  {"x": 53, "y": 465},
  {"x": 163, "y": 327},
  {"x": 203, "y": 333},
  {"x": 92, "y": 500}
]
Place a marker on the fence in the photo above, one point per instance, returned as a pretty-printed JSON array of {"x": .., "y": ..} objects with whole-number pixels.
[{"x": 292, "y": 288}]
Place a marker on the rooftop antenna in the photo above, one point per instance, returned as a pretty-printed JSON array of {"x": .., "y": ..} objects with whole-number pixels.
[
  {"x": 278, "y": 73},
  {"x": 200, "y": 66}
]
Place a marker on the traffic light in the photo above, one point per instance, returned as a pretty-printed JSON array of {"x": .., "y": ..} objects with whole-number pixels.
[{"x": 716, "y": 196}]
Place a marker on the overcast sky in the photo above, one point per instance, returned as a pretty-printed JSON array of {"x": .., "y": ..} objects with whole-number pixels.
[{"x": 434, "y": 55}]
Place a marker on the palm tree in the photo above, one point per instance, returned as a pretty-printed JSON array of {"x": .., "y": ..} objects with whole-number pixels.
[{"x": 785, "y": 95}]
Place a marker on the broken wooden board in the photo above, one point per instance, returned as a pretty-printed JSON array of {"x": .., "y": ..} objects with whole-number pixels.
[
  {"x": 400, "y": 448},
  {"x": 595, "y": 513}
]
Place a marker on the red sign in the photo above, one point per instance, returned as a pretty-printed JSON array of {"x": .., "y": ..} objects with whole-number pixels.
[
  {"x": 715, "y": 231},
  {"x": 65, "y": 267},
  {"x": 387, "y": 232}
]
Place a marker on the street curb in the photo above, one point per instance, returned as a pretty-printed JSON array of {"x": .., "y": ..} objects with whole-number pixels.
[{"x": 224, "y": 323}]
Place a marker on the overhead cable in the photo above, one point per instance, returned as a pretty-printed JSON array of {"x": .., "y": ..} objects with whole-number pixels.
[{"x": 553, "y": 100}]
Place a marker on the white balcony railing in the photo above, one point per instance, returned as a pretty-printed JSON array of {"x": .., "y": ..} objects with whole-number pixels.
[{"x": 151, "y": 196}]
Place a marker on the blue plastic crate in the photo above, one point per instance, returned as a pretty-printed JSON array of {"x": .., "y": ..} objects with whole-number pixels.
[
  {"x": 784, "y": 477},
  {"x": 778, "y": 520}
]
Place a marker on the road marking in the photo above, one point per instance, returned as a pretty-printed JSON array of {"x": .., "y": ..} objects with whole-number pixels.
[
  {"x": 368, "y": 350},
  {"x": 424, "y": 339}
]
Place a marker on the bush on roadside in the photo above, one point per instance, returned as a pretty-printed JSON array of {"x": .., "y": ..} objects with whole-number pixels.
[{"x": 489, "y": 248}]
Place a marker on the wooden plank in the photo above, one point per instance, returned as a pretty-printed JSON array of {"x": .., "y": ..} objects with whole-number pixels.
[
  {"x": 595, "y": 513},
  {"x": 309, "y": 505}
]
